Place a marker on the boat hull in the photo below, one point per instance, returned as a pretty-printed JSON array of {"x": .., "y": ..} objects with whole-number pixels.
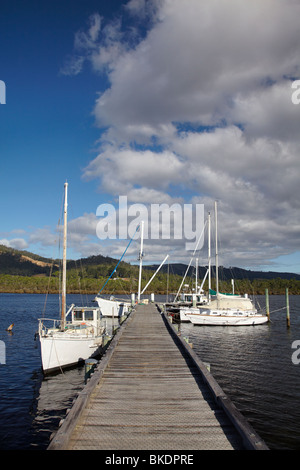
[
  {"x": 183, "y": 316},
  {"x": 59, "y": 351},
  {"x": 221, "y": 319},
  {"x": 112, "y": 308}
]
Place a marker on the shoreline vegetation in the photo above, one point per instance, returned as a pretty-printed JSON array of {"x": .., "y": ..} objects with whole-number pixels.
[
  {"x": 26, "y": 273},
  {"x": 40, "y": 284}
]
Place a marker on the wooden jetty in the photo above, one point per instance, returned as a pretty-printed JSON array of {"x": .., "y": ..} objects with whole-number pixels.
[{"x": 151, "y": 392}]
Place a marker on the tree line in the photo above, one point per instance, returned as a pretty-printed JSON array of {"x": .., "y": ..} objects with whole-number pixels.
[{"x": 91, "y": 279}]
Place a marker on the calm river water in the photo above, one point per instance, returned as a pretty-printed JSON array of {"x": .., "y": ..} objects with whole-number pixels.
[{"x": 253, "y": 365}]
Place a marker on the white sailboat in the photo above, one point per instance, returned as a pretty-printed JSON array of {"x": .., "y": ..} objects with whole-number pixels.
[
  {"x": 116, "y": 307},
  {"x": 192, "y": 299},
  {"x": 65, "y": 343},
  {"x": 224, "y": 310},
  {"x": 113, "y": 307},
  {"x": 232, "y": 311}
]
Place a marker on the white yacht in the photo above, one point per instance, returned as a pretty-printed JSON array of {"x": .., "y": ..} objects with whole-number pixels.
[
  {"x": 79, "y": 339},
  {"x": 65, "y": 343},
  {"x": 223, "y": 309},
  {"x": 226, "y": 310}
]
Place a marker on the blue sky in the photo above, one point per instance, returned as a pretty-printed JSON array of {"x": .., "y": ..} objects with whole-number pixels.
[
  {"x": 47, "y": 129},
  {"x": 164, "y": 102}
]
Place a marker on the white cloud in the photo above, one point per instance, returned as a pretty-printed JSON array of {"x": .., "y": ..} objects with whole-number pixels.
[
  {"x": 194, "y": 62},
  {"x": 200, "y": 107},
  {"x": 83, "y": 226},
  {"x": 144, "y": 8},
  {"x": 44, "y": 236},
  {"x": 81, "y": 230},
  {"x": 17, "y": 243},
  {"x": 100, "y": 46},
  {"x": 73, "y": 65},
  {"x": 121, "y": 170},
  {"x": 268, "y": 112}
]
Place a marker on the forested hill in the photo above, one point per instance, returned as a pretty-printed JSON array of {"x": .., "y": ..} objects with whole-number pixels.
[
  {"x": 228, "y": 273},
  {"x": 24, "y": 263}
]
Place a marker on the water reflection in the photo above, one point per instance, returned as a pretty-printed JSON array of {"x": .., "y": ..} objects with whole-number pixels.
[
  {"x": 253, "y": 365},
  {"x": 56, "y": 394}
]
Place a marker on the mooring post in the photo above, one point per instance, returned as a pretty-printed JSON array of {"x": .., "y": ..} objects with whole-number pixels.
[
  {"x": 287, "y": 307},
  {"x": 89, "y": 366},
  {"x": 267, "y": 304}
]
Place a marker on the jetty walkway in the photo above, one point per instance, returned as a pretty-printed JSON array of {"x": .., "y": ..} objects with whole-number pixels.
[{"x": 151, "y": 392}]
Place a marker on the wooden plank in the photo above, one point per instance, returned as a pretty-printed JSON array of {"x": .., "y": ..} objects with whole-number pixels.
[{"x": 149, "y": 393}]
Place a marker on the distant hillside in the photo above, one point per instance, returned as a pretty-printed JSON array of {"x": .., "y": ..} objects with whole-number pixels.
[
  {"x": 24, "y": 263},
  {"x": 91, "y": 261},
  {"x": 226, "y": 273}
]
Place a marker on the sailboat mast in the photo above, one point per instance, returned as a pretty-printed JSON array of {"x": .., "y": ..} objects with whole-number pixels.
[
  {"x": 149, "y": 282},
  {"x": 64, "y": 272},
  {"x": 196, "y": 280},
  {"x": 209, "y": 257},
  {"x": 217, "y": 254},
  {"x": 141, "y": 259}
]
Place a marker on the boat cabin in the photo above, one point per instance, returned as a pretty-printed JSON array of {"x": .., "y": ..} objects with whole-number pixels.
[
  {"x": 200, "y": 298},
  {"x": 82, "y": 316}
]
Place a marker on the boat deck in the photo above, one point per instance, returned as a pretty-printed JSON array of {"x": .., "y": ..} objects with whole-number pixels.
[{"x": 150, "y": 392}]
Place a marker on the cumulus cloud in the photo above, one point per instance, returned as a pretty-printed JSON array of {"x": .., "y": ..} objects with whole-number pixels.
[
  {"x": 99, "y": 46},
  {"x": 197, "y": 58},
  {"x": 17, "y": 243},
  {"x": 198, "y": 108},
  {"x": 121, "y": 170},
  {"x": 143, "y": 8}
]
